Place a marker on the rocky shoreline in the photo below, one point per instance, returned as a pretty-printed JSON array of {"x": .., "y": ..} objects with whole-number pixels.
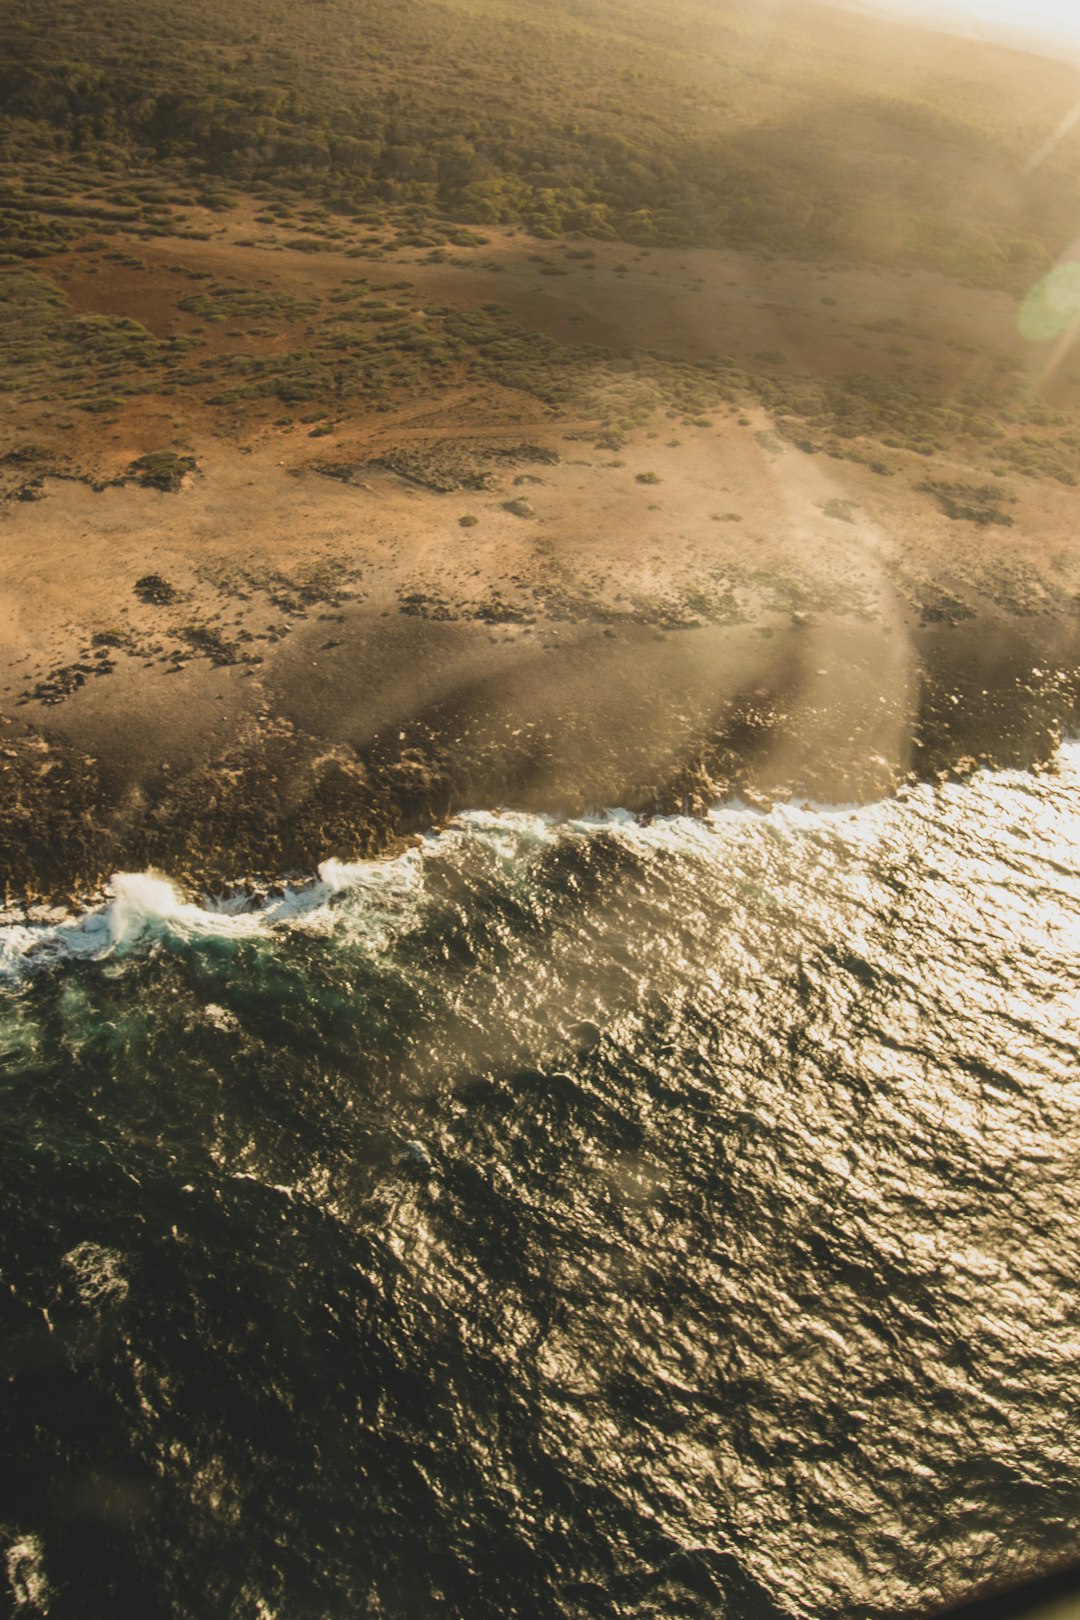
[
  {"x": 229, "y": 665},
  {"x": 655, "y": 722}
]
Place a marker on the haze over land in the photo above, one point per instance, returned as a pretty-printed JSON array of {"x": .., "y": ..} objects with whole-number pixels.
[
  {"x": 1050, "y": 27},
  {"x": 566, "y": 405}
]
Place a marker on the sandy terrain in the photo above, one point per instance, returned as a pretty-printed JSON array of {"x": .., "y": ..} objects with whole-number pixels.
[{"x": 319, "y": 664}]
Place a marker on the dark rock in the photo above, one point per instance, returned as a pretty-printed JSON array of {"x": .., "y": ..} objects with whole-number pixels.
[
  {"x": 417, "y": 1159},
  {"x": 585, "y": 1035},
  {"x": 154, "y": 590}
]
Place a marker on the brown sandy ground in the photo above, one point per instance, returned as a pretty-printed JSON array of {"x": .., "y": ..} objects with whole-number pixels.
[{"x": 336, "y": 630}]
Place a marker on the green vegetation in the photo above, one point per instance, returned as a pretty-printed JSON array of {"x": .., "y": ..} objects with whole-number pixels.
[
  {"x": 229, "y": 302},
  {"x": 29, "y": 235},
  {"x": 48, "y": 352},
  {"x": 651, "y": 123},
  {"x": 154, "y": 590},
  {"x": 358, "y": 349},
  {"x": 973, "y": 503},
  {"x": 162, "y": 469},
  {"x": 370, "y": 127}
]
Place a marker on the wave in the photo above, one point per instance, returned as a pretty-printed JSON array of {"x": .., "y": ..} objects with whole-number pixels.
[{"x": 144, "y": 908}]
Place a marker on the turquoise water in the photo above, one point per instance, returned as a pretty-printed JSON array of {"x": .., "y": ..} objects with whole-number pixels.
[{"x": 562, "y": 1219}]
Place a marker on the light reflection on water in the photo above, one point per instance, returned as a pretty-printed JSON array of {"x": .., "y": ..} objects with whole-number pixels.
[{"x": 575, "y": 1219}]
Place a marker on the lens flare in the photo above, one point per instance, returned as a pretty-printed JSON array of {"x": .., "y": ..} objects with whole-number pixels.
[{"x": 1052, "y": 307}]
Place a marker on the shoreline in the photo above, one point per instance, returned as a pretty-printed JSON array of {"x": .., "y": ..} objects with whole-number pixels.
[
  {"x": 83, "y": 927},
  {"x": 278, "y": 798},
  {"x": 238, "y": 642},
  {"x": 94, "y": 925}
]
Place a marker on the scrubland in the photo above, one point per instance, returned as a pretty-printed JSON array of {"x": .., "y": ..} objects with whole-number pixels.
[{"x": 410, "y": 407}]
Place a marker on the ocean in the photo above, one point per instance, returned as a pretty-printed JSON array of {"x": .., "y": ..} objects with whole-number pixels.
[{"x": 560, "y": 1219}]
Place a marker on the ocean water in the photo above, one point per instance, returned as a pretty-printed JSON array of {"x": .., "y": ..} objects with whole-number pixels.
[{"x": 562, "y": 1219}]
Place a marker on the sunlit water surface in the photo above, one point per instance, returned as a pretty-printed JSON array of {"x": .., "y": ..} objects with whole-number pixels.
[{"x": 582, "y": 1219}]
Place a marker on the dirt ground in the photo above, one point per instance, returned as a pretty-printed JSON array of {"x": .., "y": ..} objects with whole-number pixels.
[{"x": 316, "y": 665}]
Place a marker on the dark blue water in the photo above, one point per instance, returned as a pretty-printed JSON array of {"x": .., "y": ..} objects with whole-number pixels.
[{"x": 561, "y": 1220}]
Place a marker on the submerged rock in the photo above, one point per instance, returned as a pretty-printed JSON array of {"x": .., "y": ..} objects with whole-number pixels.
[
  {"x": 585, "y": 1035},
  {"x": 416, "y": 1157}
]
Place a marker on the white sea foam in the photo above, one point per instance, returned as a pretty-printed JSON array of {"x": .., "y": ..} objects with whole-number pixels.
[
  {"x": 144, "y": 907},
  {"x": 220, "y": 1018}
]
